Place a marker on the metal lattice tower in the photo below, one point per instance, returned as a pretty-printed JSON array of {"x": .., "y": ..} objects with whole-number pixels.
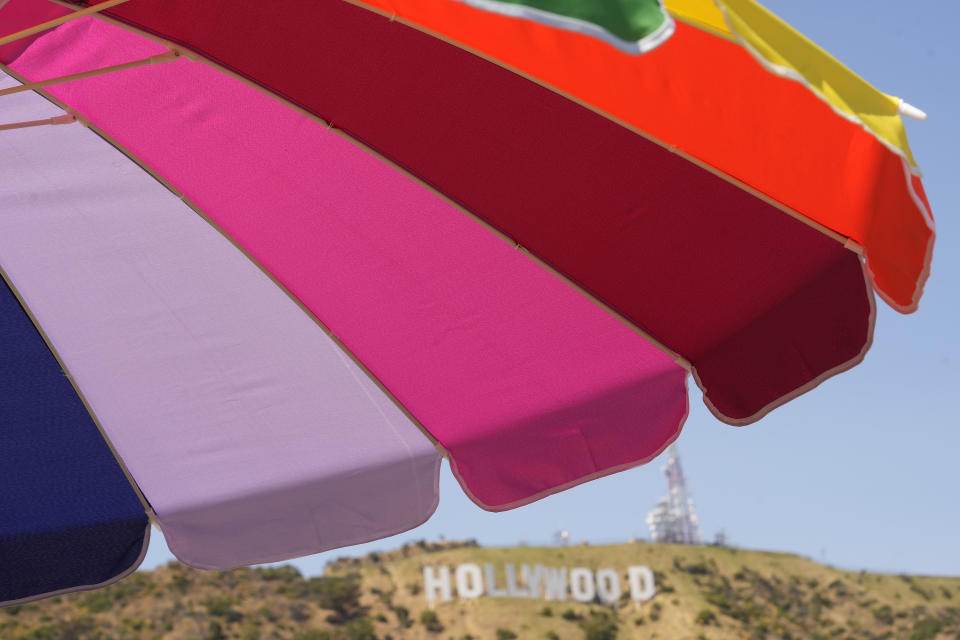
[{"x": 673, "y": 519}]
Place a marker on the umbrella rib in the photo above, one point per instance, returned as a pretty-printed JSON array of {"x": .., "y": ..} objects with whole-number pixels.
[
  {"x": 148, "y": 508},
  {"x": 68, "y": 118},
  {"x": 158, "y": 59},
  {"x": 49, "y": 24}
]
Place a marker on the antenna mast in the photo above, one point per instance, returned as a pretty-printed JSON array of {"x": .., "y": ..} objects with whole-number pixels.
[{"x": 673, "y": 519}]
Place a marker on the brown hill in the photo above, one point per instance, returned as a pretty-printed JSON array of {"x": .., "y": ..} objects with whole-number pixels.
[{"x": 701, "y": 592}]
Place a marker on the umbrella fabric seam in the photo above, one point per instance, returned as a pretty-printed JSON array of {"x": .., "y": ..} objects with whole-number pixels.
[
  {"x": 86, "y": 405},
  {"x": 703, "y": 26},
  {"x": 924, "y": 274},
  {"x": 790, "y": 74},
  {"x": 410, "y": 457}
]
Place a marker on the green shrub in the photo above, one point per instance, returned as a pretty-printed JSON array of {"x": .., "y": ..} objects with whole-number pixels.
[
  {"x": 923, "y": 593},
  {"x": 403, "y": 616},
  {"x": 697, "y": 569},
  {"x": 884, "y": 614},
  {"x": 360, "y": 629},
  {"x": 97, "y": 602},
  {"x": 926, "y": 629},
  {"x": 250, "y": 629},
  {"x": 179, "y": 582},
  {"x": 70, "y": 629},
  {"x": 341, "y": 594},
  {"x": 312, "y": 634},
  {"x": 546, "y": 612},
  {"x": 267, "y": 614},
  {"x": 299, "y": 612},
  {"x": 281, "y": 574},
  {"x": 41, "y": 633},
  {"x": 215, "y": 631},
  {"x": 551, "y": 635},
  {"x": 820, "y": 600},
  {"x": 599, "y": 626},
  {"x": 430, "y": 620},
  {"x": 705, "y": 617},
  {"x": 222, "y": 607},
  {"x": 505, "y": 634},
  {"x": 136, "y": 624},
  {"x": 570, "y": 615}
]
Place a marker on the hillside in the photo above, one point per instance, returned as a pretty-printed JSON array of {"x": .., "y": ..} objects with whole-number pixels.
[{"x": 701, "y": 592}]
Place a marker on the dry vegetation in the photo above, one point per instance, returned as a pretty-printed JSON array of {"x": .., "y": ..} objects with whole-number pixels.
[{"x": 703, "y": 593}]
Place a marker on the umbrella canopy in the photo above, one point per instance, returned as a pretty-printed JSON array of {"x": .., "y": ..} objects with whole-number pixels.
[{"x": 274, "y": 263}]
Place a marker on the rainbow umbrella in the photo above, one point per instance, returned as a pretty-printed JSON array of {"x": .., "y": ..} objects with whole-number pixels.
[{"x": 290, "y": 254}]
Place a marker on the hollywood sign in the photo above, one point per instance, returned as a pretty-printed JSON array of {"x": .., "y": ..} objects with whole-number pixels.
[{"x": 547, "y": 583}]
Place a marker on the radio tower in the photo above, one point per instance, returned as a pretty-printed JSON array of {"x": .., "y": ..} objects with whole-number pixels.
[{"x": 673, "y": 519}]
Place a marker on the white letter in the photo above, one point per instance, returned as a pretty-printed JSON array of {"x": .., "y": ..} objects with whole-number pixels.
[
  {"x": 532, "y": 579},
  {"x": 554, "y": 582},
  {"x": 469, "y": 581},
  {"x": 608, "y": 585},
  {"x": 492, "y": 590},
  {"x": 637, "y": 591},
  {"x": 581, "y": 585},
  {"x": 512, "y": 589},
  {"x": 432, "y": 583}
]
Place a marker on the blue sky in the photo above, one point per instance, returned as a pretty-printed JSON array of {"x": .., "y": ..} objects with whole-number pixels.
[{"x": 861, "y": 473}]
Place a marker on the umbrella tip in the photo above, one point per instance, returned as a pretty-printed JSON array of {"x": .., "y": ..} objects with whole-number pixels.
[{"x": 908, "y": 110}]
